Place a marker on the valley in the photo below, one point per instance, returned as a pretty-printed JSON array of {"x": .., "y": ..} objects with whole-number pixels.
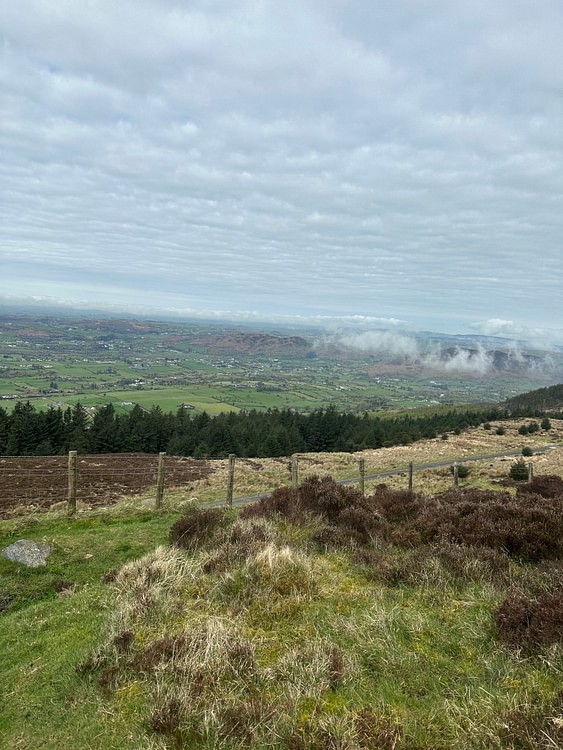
[{"x": 59, "y": 361}]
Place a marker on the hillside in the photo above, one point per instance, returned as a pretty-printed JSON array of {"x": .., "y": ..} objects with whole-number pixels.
[
  {"x": 313, "y": 619},
  {"x": 541, "y": 400},
  {"x": 257, "y": 343}
]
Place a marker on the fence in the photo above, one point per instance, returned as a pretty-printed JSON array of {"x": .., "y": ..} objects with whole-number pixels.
[{"x": 43, "y": 482}]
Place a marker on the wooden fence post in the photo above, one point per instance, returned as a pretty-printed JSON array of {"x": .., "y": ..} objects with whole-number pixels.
[
  {"x": 294, "y": 471},
  {"x": 71, "y": 498},
  {"x": 456, "y": 474},
  {"x": 160, "y": 480},
  {"x": 410, "y": 476},
  {"x": 362, "y": 467},
  {"x": 231, "y": 479},
  {"x": 530, "y": 471}
]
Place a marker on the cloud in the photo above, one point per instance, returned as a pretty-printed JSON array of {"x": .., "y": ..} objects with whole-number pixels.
[
  {"x": 541, "y": 337},
  {"x": 387, "y": 160},
  {"x": 391, "y": 343}
]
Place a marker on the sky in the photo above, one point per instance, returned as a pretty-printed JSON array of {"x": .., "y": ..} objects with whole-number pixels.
[{"x": 397, "y": 163}]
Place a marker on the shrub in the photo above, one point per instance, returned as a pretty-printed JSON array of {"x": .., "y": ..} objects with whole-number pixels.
[
  {"x": 395, "y": 505},
  {"x": 191, "y": 531},
  {"x": 547, "y": 485},
  {"x": 527, "y": 623},
  {"x": 527, "y": 527},
  {"x": 527, "y": 451},
  {"x": 245, "y": 538},
  {"x": 500, "y": 430},
  {"x": 463, "y": 471},
  {"x": 376, "y": 731},
  {"x": 487, "y": 426},
  {"x": 519, "y": 471},
  {"x": 338, "y": 505},
  {"x": 545, "y": 424},
  {"x": 523, "y": 429}
]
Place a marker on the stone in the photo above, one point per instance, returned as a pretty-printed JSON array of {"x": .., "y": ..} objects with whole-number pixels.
[{"x": 27, "y": 553}]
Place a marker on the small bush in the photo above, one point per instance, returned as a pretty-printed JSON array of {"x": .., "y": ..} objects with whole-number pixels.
[
  {"x": 546, "y": 485},
  {"x": 523, "y": 429},
  {"x": 395, "y": 506},
  {"x": 545, "y": 424},
  {"x": 527, "y": 451},
  {"x": 527, "y": 623},
  {"x": 193, "y": 530},
  {"x": 338, "y": 506},
  {"x": 487, "y": 426},
  {"x": 500, "y": 430},
  {"x": 463, "y": 471},
  {"x": 245, "y": 538},
  {"x": 166, "y": 718},
  {"x": 519, "y": 471}
]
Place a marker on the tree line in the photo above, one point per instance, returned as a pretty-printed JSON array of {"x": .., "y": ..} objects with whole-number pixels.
[
  {"x": 29, "y": 432},
  {"x": 536, "y": 403}
]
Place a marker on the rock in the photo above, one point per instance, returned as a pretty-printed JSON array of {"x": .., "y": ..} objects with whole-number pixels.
[{"x": 27, "y": 553}]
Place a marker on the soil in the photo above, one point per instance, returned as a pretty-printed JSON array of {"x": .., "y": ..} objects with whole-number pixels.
[{"x": 39, "y": 482}]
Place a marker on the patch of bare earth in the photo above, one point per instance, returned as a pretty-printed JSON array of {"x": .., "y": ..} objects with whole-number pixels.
[{"x": 41, "y": 482}]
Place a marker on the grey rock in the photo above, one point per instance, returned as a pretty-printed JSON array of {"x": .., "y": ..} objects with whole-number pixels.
[{"x": 27, "y": 553}]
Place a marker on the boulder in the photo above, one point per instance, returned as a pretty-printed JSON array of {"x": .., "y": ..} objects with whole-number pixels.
[{"x": 27, "y": 553}]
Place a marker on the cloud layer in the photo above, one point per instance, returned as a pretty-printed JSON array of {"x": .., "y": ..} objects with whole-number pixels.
[{"x": 399, "y": 160}]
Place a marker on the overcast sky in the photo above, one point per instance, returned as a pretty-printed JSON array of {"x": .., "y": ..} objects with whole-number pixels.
[{"x": 393, "y": 159}]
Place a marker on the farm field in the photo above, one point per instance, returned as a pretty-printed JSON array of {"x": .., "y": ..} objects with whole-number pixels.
[{"x": 57, "y": 362}]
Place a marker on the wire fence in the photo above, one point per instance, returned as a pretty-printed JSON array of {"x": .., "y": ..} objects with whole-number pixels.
[
  {"x": 29, "y": 483},
  {"x": 42, "y": 482}
]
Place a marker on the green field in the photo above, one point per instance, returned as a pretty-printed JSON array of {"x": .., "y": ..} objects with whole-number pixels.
[{"x": 61, "y": 361}]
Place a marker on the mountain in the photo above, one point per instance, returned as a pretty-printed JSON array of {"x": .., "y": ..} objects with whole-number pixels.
[{"x": 257, "y": 343}]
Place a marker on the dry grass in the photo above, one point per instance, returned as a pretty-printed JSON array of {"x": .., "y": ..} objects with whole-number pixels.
[{"x": 255, "y": 476}]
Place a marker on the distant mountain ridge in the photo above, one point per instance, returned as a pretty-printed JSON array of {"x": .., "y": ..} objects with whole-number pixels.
[{"x": 257, "y": 343}]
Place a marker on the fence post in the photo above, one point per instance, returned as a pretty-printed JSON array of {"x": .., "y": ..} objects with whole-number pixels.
[
  {"x": 410, "y": 476},
  {"x": 456, "y": 474},
  {"x": 231, "y": 479},
  {"x": 71, "y": 498},
  {"x": 160, "y": 480},
  {"x": 530, "y": 471},
  {"x": 294, "y": 471},
  {"x": 362, "y": 466}
]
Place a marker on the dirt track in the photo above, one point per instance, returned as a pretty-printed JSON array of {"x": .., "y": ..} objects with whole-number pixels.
[{"x": 39, "y": 482}]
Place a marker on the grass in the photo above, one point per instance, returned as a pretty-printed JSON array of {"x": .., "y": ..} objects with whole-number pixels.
[{"x": 51, "y": 620}]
